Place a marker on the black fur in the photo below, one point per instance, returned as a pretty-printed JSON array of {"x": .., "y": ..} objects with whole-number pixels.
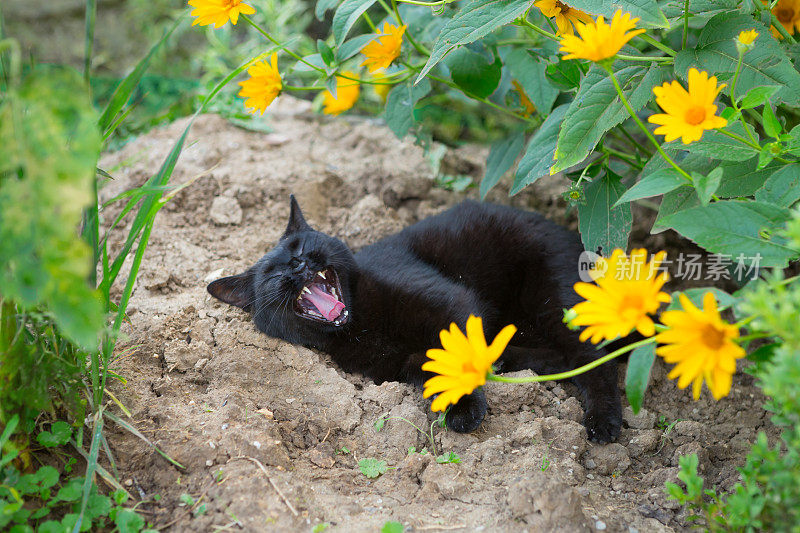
[{"x": 504, "y": 265}]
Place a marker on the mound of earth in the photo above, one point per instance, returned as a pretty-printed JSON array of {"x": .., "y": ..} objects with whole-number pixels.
[{"x": 270, "y": 434}]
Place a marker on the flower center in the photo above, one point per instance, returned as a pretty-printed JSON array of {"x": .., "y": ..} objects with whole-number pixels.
[
  {"x": 229, "y": 4},
  {"x": 631, "y": 306},
  {"x": 695, "y": 115},
  {"x": 563, "y": 7},
  {"x": 784, "y": 14},
  {"x": 712, "y": 337}
]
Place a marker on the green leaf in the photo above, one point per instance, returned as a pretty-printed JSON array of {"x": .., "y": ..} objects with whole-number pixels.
[
  {"x": 98, "y": 505},
  {"x": 699, "y": 10},
  {"x": 345, "y": 16},
  {"x": 538, "y": 156},
  {"x": 675, "y": 201},
  {"x": 323, "y": 6},
  {"x": 758, "y": 96},
  {"x": 719, "y": 146},
  {"x": 501, "y": 157},
  {"x": 52, "y": 155},
  {"x": 647, "y": 11},
  {"x": 129, "y": 521},
  {"x": 371, "y": 467},
  {"x": 47, "y": 476},
  {"x": 379, "y": 423},
  {"x": 392, "y": 527},
  {"x": 565, "y": 74},
  {"x": 71, "y": 492},
  {"x": 765, "y": 64},
  {"x": 603, "y": 227},
  {"x": 597, "y": 108},
  {"x": 59, "y": 434},
  {"x": 772, "y": 126},
  {"x": 743, "y": 178},
  {"x": 400, "y": 103},
  {"x": 659, "y": 182},
  {"x": 638, "y": 374},
  {"x": 473, "y": 72},
  {"x": 764, "y": 353},
  {"x": 733, "y": 227},
  {"x": 325, "y": 52},
  {"x": 476, "y": 19},
  {"x": 531, "y": 75},
  {"x": 353, "y": 46},
  {"x": 706, "y": 184},
  {"x": 793, "y": 146},
  {"x": 781, "y": 188}
]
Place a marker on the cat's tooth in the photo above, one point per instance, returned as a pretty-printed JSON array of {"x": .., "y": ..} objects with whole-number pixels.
[
  {"x": 320, "y": 274},
  {"x": 306, "y": 290}
]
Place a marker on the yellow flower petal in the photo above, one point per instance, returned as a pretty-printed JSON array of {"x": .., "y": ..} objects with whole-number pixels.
[
  {"x": 347, "y": 92},
  {"x": 600, "y": 40},
  {"x": 382, "y": 51},
  {"x": 218, "y": 12}
]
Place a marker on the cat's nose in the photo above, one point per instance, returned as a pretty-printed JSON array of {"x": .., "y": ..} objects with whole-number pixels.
[{"x": 299, "y": 267}]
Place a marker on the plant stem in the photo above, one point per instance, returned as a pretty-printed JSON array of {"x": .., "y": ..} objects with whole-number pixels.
[
  {"x": 624, "y": 157},
  {"x": 426, "y": 4},
  {"x": 418, "y": 47},
  {"x": 279, "y": 45},
  {"x": 537, "y": 29},
  {"x": 576, "y": 371},
  {"x": 660, "y": 59},
  {"x": 664, "y": 48},
  {"x": 685, "y": 24},
  {"x": 644, "y": 128}
]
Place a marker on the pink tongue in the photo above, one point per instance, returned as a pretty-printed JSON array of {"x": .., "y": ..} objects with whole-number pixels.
[{"x": 326, "y": 304}]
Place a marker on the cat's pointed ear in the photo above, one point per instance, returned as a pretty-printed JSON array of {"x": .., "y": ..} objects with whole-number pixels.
[
  {"x": 234, "y": 290},
  {"x": 296, "y": 220}
]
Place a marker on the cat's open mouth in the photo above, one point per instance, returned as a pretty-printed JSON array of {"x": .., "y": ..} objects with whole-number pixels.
[{"x": 320, "y": 299}]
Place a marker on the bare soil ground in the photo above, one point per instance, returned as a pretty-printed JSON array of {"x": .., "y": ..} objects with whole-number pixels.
[{"x": 270, "y": 433}]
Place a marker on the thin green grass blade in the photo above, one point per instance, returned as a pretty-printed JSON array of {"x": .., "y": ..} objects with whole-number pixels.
[
  {"x": 102, "y": 472},
  {"x": 125, "y": 425},
  {"x": 91, "y": 14},
  {"x": 123, "y": 92},
  {"x": 111, "y": 460},
  {"x": 91, "y": 466}
]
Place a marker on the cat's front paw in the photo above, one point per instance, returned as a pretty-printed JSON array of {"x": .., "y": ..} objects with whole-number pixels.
[
  {"x": 466, "y": 416},
  {"x": 602, "y": 427}
]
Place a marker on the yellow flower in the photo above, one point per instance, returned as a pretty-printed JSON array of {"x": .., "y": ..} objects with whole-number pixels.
[
  {"x": 599, "y": 40},
  {"x": 701, "y": 344},
  {"x": 530, "y": 109},
  {"x": 464, "y": 362},
  {"x": 788, "y": 14},
  {"x": 347, "y": 92},
  {"x": 627, "y": 291},
  {"x": 218, "y": 12},
  {"x": 688, "y": 114},
  {"x": 565, "y": 15},
  {"x": 747, "y": 37},
  {"x": 263, "y": 86},
  {"x": 383, "y": 50}
]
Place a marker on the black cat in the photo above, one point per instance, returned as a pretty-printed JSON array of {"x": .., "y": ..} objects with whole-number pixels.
[{"x": 379, "y": 310}]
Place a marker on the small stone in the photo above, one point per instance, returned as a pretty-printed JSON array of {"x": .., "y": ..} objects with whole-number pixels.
[
  {"x": 590, "y": 464},
  {"x": 257, "y": 444},
  {"x": 128, "y": 482},
  {"x": 225, "y": 210},
  {"x": 209, "y": 463},
  {"x": 600, "y": 525}
]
